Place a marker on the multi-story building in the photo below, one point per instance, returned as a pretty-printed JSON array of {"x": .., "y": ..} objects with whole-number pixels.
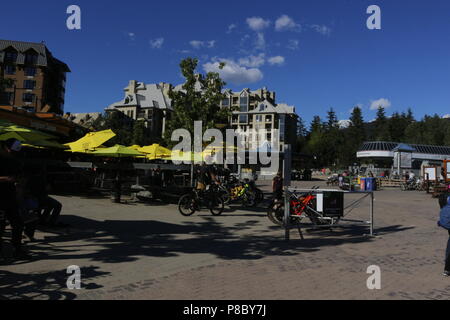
[
  {"x": 39, "y": 79},
  {"x": 256, "y": 111},
  {"x": 146, "y": 102}
]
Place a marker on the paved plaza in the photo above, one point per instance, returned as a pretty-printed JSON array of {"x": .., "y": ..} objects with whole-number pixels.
[{"x": 150, "y": 251}]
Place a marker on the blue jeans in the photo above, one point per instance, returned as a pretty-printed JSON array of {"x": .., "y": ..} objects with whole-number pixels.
[{"x": 447, "y": 254}]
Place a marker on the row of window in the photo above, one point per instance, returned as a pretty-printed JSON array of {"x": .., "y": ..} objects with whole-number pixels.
[
  {"x": 27, "y": 84},
  {"x": 30, "y": 58},
  {"x": 7, "y": 97},
  {"x": 259, "y": 118},
  {"x": 28, "y": 71}
]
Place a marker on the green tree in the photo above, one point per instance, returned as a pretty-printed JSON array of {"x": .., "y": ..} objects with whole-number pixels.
[
  {"x": 381, "y": 126},
  {"x": 198, "y": 101},
  {"x": 140, "y": 136}
]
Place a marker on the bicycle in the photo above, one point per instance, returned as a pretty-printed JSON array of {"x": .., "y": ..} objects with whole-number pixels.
[
  {"x": 300, "y": 206},
  {"x": 243, "y": 193},
  {"x": 193, "y": 201}
]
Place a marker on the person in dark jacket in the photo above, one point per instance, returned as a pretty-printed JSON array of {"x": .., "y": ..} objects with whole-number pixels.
[
  {"x": 444, "y": 222},
  {"x": 11, "y": 171}
]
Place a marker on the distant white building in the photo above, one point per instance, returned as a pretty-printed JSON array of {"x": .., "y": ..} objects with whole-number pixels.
[{"x": 146, "y": 102}]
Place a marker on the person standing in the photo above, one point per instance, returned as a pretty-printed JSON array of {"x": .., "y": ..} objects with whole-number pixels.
[
  {"x": 10, "y": 171},
  {"x": 277, "y": 186},
  {"x": 444, "y": 222}
]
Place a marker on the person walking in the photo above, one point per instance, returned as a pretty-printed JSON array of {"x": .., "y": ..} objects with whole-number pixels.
[{"x": 444, "y": 222}]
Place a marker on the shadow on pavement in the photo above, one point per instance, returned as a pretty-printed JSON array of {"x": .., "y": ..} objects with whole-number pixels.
[{"x": 46, "y": 286}]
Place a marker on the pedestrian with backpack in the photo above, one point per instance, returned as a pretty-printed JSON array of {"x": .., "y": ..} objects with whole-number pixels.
[{"x": 444, "y": 222}]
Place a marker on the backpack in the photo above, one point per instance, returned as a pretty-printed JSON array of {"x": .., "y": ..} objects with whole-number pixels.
[{"x": 444, "y": 220}]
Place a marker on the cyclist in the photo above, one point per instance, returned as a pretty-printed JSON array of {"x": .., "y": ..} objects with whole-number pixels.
[{"x": 206, "y": 175}]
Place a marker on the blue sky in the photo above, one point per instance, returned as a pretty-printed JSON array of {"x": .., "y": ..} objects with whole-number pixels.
[{"x": 314, "y": 54}]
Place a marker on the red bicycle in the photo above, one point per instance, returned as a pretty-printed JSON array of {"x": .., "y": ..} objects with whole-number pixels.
[{"x": 300, "y": 206}]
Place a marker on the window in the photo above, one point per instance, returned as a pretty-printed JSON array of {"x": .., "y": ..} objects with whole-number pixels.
[
  {"x": 30, "y": 72},
  {"x": 28, "y": 97},
  {"x": 243, "y": 118},
  {"x": 11, "y": 56},
  {"x": 31, "y": 58},
  {"x": 10, "y": 70},
  {"x": 225, "y": 102},
  {"x": 6, "y": 98},
  {"x": 29, "y": 84},
  {"x": 259, "y": 118},
  {"x": 244, "y": 103}
]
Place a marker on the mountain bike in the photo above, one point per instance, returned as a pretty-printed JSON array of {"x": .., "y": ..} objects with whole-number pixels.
[
  {"x": 243, "y": 193},
  {"x": 196, "y": 199},
  {"x": 300, "y": 206}
]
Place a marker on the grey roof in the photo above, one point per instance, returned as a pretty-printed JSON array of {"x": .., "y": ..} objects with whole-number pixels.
[
  {"x": 267, "y": 107},
  {"x": 417, "y": 148},
  {"x": 22, "y": 47},
  {"x": 146, "y": 96}
]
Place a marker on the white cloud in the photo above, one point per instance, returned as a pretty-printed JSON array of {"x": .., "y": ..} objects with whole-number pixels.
[
  {"x": 258, "y": 23},
  {"x": 293, "y": 44},
  {"x": 196, "y": 44},
  {"x": 233, "y": 72},
  {"x": 375, "y": 104},
  {"x": 343, "y": 124},
  {"x": 260, "y": 42},
  {"x": 285, "y": 23},
  {"x": 446, "y": 116},
  {"x": 132, "y": 36},
  {"x": 157, "y": 43},
  {"x": 253, "y": 61},
  {"x": 324, "y": 30},
  {"x": 231, "y": 27},
  {"x": 278, "y": 60}
]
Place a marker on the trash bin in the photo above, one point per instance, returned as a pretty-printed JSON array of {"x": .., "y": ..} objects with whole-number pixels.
[
  {"x": 371, "y": 184},
  {"x": 363, "y": 184}
]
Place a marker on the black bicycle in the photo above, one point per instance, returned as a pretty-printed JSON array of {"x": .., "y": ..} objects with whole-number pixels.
[{"x": 196, "y": 199}]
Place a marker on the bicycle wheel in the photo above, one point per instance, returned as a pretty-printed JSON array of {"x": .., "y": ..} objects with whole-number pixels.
[
  {"x": 186, "y": 205},
  {"x": 248, "y": 200},
  {"x": 276, "y": 213},
  {"x": 216, "y": 206},
  {"x": 226, "y": 197},
  {"x": 259, "y": 196}
]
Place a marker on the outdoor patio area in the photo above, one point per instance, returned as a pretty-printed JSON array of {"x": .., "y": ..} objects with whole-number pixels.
[{"x": 150, "y": 251}]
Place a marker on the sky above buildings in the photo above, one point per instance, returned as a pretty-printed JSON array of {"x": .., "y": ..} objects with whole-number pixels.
[{"x": 314, "y": 54}]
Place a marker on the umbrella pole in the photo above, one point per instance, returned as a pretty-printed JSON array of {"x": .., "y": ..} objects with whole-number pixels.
[{"x": 118, "y": 186}]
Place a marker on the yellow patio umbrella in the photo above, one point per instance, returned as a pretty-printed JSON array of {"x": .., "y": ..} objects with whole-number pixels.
[
  {"x": 22, "y": 134},
  {"x": 46, "y": 144},
  {"x": 187, "y": 157},
  {"x": 117, "y": 151},
  {"x": 91, "y": 141},
  {"x": 135, "y": 147},
  {"x": 156, "y": 151}
]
